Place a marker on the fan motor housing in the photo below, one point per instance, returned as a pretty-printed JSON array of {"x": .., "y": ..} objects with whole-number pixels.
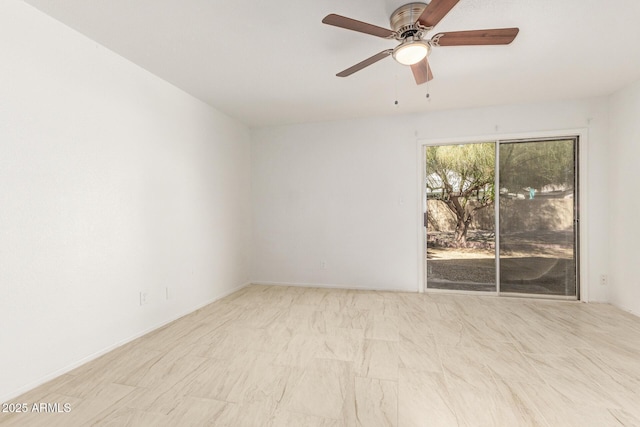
[{"x": 404, "y": 20}]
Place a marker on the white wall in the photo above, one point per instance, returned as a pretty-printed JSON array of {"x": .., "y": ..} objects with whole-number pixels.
[
  {"x": 111, "y": 182},
  {"x": 346, "y": 193},
  {"x": 340, "y": 193},
  {"x": 623, "y": 198}
]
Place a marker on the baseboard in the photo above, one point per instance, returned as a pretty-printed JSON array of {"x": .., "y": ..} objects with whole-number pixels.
[
  {"x": 332, "y": 286},
  {"x": 112, "y": 347}
]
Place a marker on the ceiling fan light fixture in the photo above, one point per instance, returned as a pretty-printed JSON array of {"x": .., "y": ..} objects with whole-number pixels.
[
  {"x": 411, "y": 52},
  {"x": 410, "y": 23}
]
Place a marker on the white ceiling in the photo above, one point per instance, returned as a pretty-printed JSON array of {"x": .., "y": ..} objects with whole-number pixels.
[{"x": 274, "y": 62}]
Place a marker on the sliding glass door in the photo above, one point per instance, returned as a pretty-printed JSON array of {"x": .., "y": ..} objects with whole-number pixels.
[
  {"x": 460, "y": 218},
  {"x": 538, "y": 217},
  {"x": 502, "y": 217}
]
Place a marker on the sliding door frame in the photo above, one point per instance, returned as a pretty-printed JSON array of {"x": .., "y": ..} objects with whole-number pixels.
[{"x": 581, "y": 252}]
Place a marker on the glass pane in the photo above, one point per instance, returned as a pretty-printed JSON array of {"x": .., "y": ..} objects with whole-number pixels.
[
  {"x": 461, "y": 217},
  {"x": 537, "y": 239}
]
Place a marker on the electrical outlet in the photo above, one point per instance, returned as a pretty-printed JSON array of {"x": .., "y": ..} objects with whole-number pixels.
[
  {"x": 323, "y": 265},
  {"x": 603, "y": 280},
  {"x": 144, "y": 298}
]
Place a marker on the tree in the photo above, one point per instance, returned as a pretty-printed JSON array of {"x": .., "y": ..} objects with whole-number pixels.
[
  {"x": 536, "y": 164},
  {"x": 458, "y": 174}
]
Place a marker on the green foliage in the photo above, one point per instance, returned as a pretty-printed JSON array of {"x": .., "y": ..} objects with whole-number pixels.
[
  {"x": 458, "y": 174},
  {"x": 536, "y": 165},
  {"x": 462, "y": 170}
]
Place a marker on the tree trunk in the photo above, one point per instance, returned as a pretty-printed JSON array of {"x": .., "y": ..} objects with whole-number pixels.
[
  {"x": 463, "y": 219},
  {"x": 462, "y": 226},
  {"x": 461, "y": 232}
]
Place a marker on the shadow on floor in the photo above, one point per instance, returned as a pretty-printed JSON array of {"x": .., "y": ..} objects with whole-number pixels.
[{"x": 531, "y": 275}]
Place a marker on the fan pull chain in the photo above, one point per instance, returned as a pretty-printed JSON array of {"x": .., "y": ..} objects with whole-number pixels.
[
  {"x": 428, "y": 95},
  {"x": 396, "y": 88}
]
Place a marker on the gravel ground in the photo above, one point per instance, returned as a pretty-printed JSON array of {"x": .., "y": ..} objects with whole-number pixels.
[{"x": 539, "y": 263}]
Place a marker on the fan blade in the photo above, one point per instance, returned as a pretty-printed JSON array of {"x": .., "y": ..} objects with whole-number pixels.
[
  {"x": 360, "y": 65},
  {"x": 435, "y": 11},
  {"x": 476, "y": 37},
  {"x": 352, "y": 24},
  {"x": 422, "y": 72}
]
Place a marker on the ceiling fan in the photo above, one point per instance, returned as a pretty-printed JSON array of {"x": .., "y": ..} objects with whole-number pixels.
[{"x": 410, "y": 24}]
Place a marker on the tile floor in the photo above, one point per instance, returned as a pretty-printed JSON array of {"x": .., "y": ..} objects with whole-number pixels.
[{"x": 284, "y": 356}]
